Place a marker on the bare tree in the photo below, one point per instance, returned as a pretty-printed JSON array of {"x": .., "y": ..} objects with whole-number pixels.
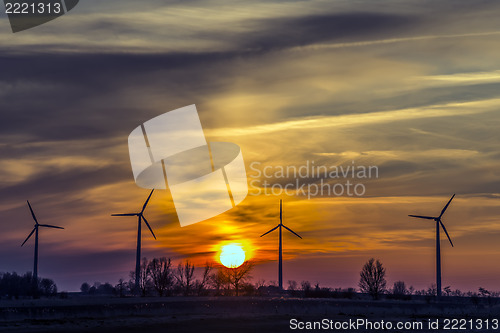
[
  {"x": 305, "y": 286},
  {"x": 84, "y": 288},
  {"x": 431, "y": 291},
  {"x": 184, "y": 276},
  {"x": 484, "y": 292},
  {"x": 399, "y": 288},
  {"x": 144, "y": 280},
  {"x": 201, "y": 284},
  {"x": 220, "y": 280},
  {"x": 120, "y": 287},
  {"x": 161, "y": 274},
  {"x": 239, "y": 274},
  {"x": 47, "y": 287},
  {"x": 260, "y": 283},
  {"x": 372, "y": 278}
]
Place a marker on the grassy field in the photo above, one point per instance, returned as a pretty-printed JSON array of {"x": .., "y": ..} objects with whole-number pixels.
[{"x": 233, "y": 314}]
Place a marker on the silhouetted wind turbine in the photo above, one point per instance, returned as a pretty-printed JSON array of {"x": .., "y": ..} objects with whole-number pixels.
[
  {"x": 438, "y": 245},
  {"x": 280, "y": 263},
  {"x": 35, "y": 230},
  {"x": 140, "y": 217}
]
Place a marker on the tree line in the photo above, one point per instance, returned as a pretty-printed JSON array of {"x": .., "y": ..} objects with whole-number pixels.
[
  {"x": 160, "y": 277},
  {"x": 372, "y": 282},
  {"x": 17, "y": 286}
]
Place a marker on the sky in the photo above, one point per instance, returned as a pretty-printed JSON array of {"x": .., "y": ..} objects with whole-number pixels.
[{"x": 409, "y": 87}]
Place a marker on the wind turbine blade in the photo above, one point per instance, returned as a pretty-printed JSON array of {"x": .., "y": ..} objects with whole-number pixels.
[
  {"x": 130, "y": 214},
  {"x": 423, "y": 217},
  {"x": 148, "y": 226},
  {"x": 50, "y": 226},
  {"x": 293, "y": 232},
  {"x": 146, "y": 203},
  {"x": 446, "y": 232},
  {"x": 276, "y": 227},
  {"x": 32, "y": 231},
  {"x": 446, "y": 207},
  {"x": 32, "y": 213}
]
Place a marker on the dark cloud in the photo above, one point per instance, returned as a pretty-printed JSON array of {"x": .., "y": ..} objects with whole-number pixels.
[
  {"x": 61, "y": 107},
  {"x": 307, "y": 30},
  {"x": 88, "y": 96},
  {"x": 66, "y": 182}
]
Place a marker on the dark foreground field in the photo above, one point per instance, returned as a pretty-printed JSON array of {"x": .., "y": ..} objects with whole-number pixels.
[{"x": 235, "y": 314}]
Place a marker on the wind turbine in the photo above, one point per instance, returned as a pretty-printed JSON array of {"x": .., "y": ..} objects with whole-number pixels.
[
  {"x": 140, "y": 217},
  {"x": 280, "y": 263},
  {"x": 35, "y": 230},
  {"x": 438, "y": 245}
]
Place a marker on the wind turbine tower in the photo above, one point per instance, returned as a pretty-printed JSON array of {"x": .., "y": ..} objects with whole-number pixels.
[
  {"x": 35, "y": 230},
  {"x": 438, "y": 242},
  {"x": 140, "y": 218},
  {"x": 280, "y": 258}
]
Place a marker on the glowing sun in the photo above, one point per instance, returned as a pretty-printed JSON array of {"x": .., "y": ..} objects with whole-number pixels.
[{"x": 232, "y": 255}]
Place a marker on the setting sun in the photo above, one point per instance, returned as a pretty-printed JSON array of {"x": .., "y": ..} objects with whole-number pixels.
[{"x": 232, "y": 255}]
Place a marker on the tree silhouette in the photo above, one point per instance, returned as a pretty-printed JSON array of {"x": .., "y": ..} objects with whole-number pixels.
[
  {"x": 144, "y": 280},
  {"x": 85, "y": 287},
  {"x": 292, "y": 285},
  {"x": 220, "y": 280},
  {"x": 13, "y": 285},
  {"x": 185, "y": 277},
  {"x": 202, "y": 284},
  {"x": 234, "y": 277},
  {"x": 239, "y": 274},
  {"x": 47, "y": 287},
  {"x": 121, "y": 287},
  {"x": 399, "y": 288},
  {"x": 483, "y": 292},
  {"x": 161, "y": 274},
  {"x": 305, "y": 286},
  {"x": 372, "y": 278}
]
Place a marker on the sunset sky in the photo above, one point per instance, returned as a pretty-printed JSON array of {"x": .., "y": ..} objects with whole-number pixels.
[{"x": 410, "y": 87}]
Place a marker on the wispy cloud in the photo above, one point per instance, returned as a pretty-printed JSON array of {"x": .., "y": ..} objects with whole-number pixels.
[
  {"x": 321, "y": 46},
  {"x": 456, "y": 79},
  {"x": 431, "y": 111}
]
